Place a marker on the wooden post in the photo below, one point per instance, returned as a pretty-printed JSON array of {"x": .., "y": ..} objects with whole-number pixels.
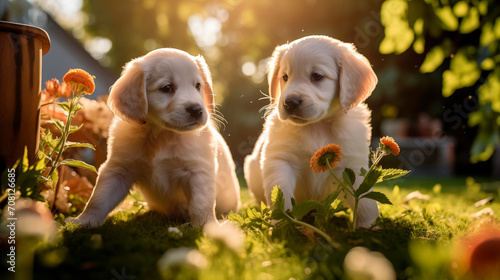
[{"x": 21, "y": 50}]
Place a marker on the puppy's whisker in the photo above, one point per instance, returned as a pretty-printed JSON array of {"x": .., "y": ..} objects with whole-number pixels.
[
  {"x": 267, "y": 109},
  {"x": 266, "y": 96},
  {"x": 217, "y": 117}
]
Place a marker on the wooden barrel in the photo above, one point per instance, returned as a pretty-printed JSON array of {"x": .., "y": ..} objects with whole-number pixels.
[{"x": 21, "y": 50}]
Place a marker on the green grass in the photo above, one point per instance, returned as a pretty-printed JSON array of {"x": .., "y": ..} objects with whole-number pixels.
[{"x": 418, "y": 237}]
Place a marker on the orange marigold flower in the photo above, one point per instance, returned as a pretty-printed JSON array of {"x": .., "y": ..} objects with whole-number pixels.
[
  {"x": 80, "y": 81},
  {"x": 54, "y": 89},
  {"x": 477, "y": 255},
  {"x": 389, "y": 145},
  {"x": 330, "y": 153}
]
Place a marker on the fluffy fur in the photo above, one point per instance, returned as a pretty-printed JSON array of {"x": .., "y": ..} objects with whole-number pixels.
[
  {"x": 317, "y": 86},
  {"x": 163, "y": 142}
]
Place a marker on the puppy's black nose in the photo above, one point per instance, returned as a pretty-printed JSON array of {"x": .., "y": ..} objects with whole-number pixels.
[
  {"x": 195, "y": 111},
  {"x": 292, "y": 103}
]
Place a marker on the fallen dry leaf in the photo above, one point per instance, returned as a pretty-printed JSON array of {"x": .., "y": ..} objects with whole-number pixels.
[{"x": 416, "y": 195}]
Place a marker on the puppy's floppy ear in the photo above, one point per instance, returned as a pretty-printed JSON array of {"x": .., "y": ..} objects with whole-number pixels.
[
  {"x": 273, "y": 68},
  {"x": 127, "y": 98},
  {"x": 208, "y": 93},
  {"x": 357, "y": 79}
]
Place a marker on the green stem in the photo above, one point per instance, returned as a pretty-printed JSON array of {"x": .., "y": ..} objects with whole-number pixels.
[
  {"x": 355, "y": 214},
  {"x": 315, "y": 229},
  {"x": 377, "y": 160},
  {"x": 46, "y": 104},
  {"x": 60, "y": 145},
  {"x": 349, "y": 190}
]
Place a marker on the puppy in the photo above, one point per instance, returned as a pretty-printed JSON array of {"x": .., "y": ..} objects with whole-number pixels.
[
  {"x": 163, "y": 142},
  {"x": 317, "y": 86}
]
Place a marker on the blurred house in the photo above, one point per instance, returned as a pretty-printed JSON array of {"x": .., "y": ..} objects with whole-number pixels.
[{"x": 65, "y": 51}]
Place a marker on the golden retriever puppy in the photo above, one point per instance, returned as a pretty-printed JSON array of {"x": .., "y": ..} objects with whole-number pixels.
[
  {"x": 163, "y": 141},
  {"x": 317, "y": 85}
]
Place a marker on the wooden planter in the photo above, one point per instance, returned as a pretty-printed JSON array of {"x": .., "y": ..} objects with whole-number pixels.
[{"x": 21, "y": 50}]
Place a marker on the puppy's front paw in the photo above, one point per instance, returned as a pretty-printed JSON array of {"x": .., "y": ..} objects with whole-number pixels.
[{"x": 86, "y": 220}]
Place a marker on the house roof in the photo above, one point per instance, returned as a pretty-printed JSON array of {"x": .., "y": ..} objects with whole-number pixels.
[{"x": 66, "y": 53}]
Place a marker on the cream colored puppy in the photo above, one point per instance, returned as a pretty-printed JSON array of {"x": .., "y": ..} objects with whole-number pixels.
[
  {"x": 317, "y": 85},
  {"x": 163, "y": 142}
]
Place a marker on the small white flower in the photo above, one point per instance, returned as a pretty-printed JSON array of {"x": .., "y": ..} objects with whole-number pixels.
[
  {"x": 182, "y": 256},
  {"x": 227, "y": 233},
  {"x": 361, "y": 263},
  {"x": 175, "y": 233}
]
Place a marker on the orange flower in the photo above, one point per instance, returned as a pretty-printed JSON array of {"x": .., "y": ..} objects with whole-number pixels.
[
  {"x": 477, "y": 255},
  {"x": 331, "y": 152},
  {"x": 389, "y": 145},
  {"x": 80, "y": 81},
  {"x": 53, "y": 89}
]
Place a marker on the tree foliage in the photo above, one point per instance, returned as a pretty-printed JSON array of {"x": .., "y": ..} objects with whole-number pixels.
[
  {"x": 249, "y": 31},
  {"x": 462, "y": 38}
]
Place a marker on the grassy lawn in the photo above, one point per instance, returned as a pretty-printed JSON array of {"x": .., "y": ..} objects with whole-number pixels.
[{"x": 420, "y": 238}]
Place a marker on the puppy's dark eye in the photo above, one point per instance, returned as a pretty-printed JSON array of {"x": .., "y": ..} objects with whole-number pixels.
[
  {"x": 316, "y": 77},
  {"x": 167, "y": 89},
  {"x": 285, "y": 77},
  {"x": 198, "y": 86}
]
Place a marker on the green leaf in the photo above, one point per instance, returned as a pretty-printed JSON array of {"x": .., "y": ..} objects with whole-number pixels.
[
  {"x": 263, "y": 206},
  {"x": 64, "y": 106},
  {"x": 450, "y": 83},
  {"x": 363, "y": 172},
  {"x": 252, "y": 213},
  {"x": 487, "y": 35},
  {"x": 488, "y": 95},
  {"x": 378, "y": 196},
  {"x": 277, "y": 198},
  {"x": 327, "y": 202},
  {"x": 70, "y": 144},
  {"x": 419, "y": 45},
  {"x": 461, "y": 8},
  {"x": 398, "y": 34},
  {"x": 302, "y": 208},
  {"x": 391, "y": 173},
  {"x": 370, "y": 179},
  {"x": 349, "y": 176},
  {"x": 488, "y": 64},
  {"x": 77, "y": 108},
  {"x": 418, "y": 27},
  {"x": 48, "y": 140},
  {"x": 483, "y": 7},
  {"x": 74, "y": 128},
  {"x": 236, "y": 218},
  {"x": 496, "y": 29},
  {"x": 54, "y": 177},
  {"x": 488, "y": 134},
  {"x": 28, "y": 176},
  {"x": 78, "y": 163},
  {"x": 464, "y": 71},
  {"x": 249, "y": 213},
  {"x": 433, "y": 59},
  {"x": 57, "y": 123},
  {"x": 475, "y": 118},
  {"x": 470, "y": 22},
  {"x": 481, "y": 150},
  {"x": 24, "y": 160},
  {"x": 448, "y": 20}
]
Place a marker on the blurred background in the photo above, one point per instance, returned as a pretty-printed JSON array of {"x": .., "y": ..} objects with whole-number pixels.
[{"x": 437, "y": 62}]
